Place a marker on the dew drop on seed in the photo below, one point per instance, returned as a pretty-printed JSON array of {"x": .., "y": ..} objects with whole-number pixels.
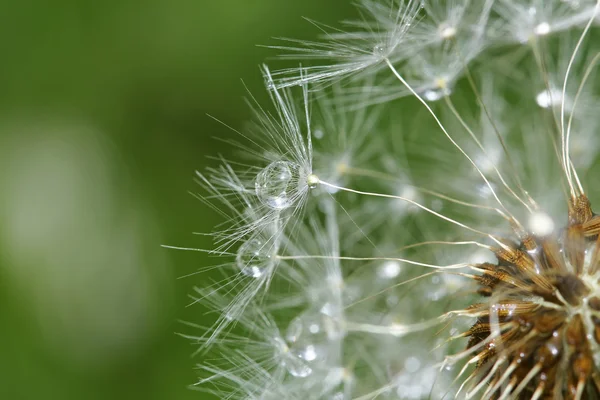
[
  {"x": 254, "y": 258},
  {"x": 312, "y": 181},
  {"x": 549, "y": 98},
  {"x": 310, "y": 337},
  {"x": 542, "y": 29},
  {"x": 541, "y": 224},
  {"x": 447, "y": 31},
  {"x": 436, "y": 94},
  {"x": 389, "y": 269},
  {"x": 380, "y": 50},
  {"x": 296, "y": 367},
  {"x": 275, "y": 185}
]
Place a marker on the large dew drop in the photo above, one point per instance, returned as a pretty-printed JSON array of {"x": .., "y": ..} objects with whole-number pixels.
[
  {"x": 277, "y": 184},
  {"x": 255, "y": 257}
]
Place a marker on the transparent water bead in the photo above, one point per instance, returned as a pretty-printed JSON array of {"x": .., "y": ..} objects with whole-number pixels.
[
  {"x": 541, "y": 224},
  {"x": 447, "y": 31},
  {"x": 312, "y": 337},
  {"x": 380, "y": 50},
  {"x": 549, "y": 98},
  {"x": 294, "y": 365},
  {"x": 542, "y": 29},
  {"x": 389, "y": 270},
  {"x": 436, "y": 93},
  {"x": 278, "y": 184},
  {"x": 312, "y": 181},
  {"x": 255, "y": 257}
]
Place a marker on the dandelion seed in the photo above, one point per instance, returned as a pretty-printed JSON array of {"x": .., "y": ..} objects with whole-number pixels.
[{"x": 382, "y": 36}]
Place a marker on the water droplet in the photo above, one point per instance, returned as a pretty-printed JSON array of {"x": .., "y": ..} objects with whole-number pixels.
[
  {"x": 296, "y": 367},
  {"x": 541, "y": 224},
  {"x": 436, "y": 93},
  {"x": 549, "y": 98},
  {"x": 380, "y": 50},
  {"x": 389, "y": 270},
  {"x": 447, "y": 31},
  {"x": 318, "y": 133},
  {"x": 311, "y": 335},
  {"x": 312, "y": 181},
  {"x": 277, "y": 184},
  {"x": 542, "y": 29},
  {"x": 255, "y": 257}
]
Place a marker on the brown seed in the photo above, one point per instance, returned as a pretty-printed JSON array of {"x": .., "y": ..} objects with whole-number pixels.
[
  {"x": 581, "y": 365},
  {"x": 576, "y": 332},
  {"x": 580, "y": 210},
  {"x": 550, "y": 351},
  {"x": 594, "y": 303},
  {"x": 549, "y": 321}
]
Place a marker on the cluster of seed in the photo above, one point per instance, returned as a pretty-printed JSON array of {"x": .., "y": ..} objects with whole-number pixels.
[{"x": 539, "y": 335}]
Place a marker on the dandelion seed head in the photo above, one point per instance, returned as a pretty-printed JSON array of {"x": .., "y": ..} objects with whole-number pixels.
[{"x": 445, "y": 251}]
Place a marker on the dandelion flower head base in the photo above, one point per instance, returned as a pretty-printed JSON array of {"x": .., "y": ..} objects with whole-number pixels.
[{"x": 537, "y": 332}]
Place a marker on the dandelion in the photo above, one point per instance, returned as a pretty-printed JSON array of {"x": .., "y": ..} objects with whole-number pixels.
[{"x": 421, "y": 224}]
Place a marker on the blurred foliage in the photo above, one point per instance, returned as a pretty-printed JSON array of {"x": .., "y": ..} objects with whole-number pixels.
[{"x": 103, "y": 120}]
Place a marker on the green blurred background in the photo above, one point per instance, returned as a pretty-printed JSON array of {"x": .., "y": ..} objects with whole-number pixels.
[{"x": 102, "y": 123}]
